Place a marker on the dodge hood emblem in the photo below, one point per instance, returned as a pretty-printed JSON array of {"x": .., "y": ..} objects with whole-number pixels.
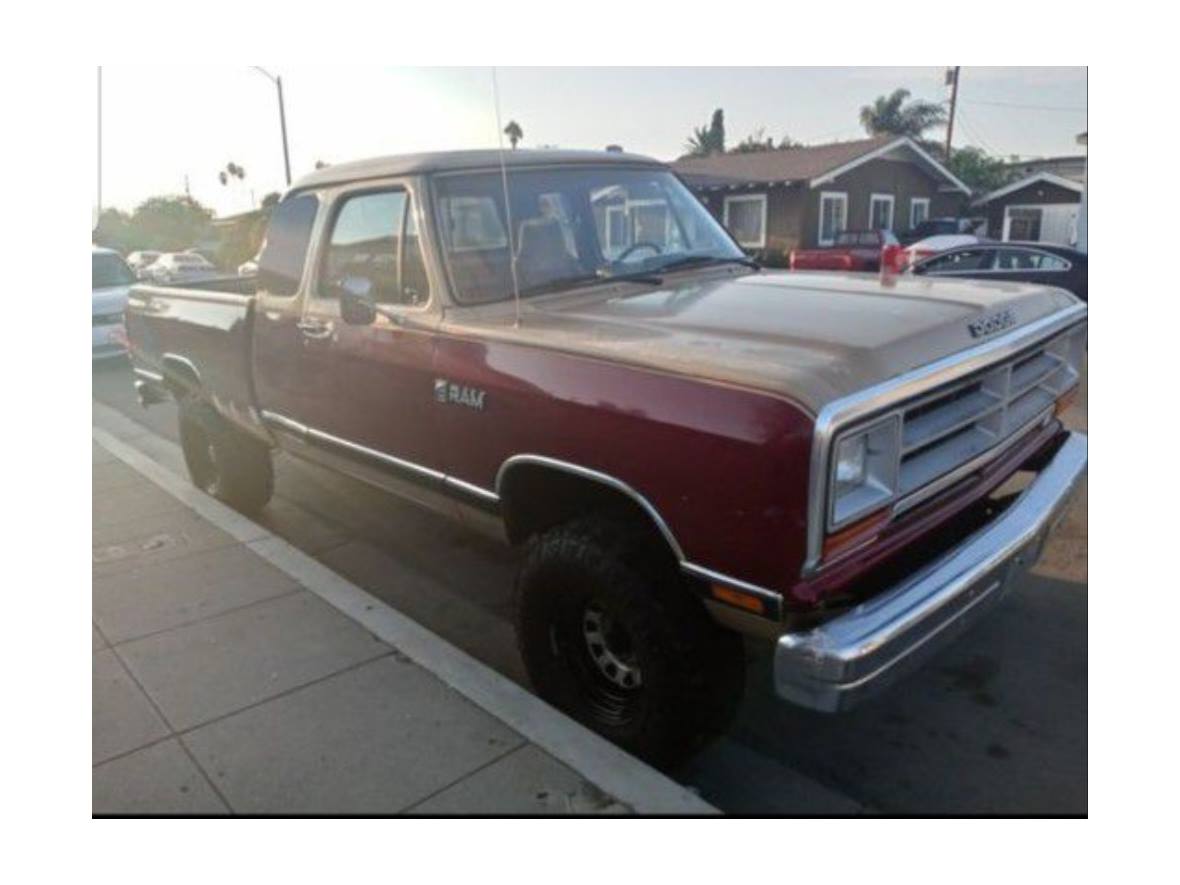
[{"x": 992, "y": 323}]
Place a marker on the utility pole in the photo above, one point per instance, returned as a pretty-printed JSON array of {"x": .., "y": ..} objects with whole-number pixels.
[
  {"x": 278, "y": 81},
  {"x": 952, "y": 78}
]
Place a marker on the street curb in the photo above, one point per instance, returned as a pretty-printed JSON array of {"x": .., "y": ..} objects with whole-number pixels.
[{"x": 612, "y": 770}]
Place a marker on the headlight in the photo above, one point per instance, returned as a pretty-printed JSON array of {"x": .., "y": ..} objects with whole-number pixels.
[{"x": 864, "y": 470}]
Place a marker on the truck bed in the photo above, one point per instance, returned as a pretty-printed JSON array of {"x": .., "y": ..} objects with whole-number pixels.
[{"x": 194, "y": 338}]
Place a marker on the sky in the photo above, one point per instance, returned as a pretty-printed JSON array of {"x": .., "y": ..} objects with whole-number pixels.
[{"x": 165, "y": 129}]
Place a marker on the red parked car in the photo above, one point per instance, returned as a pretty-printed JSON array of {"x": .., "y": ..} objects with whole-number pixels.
[
  {"x": 863, "y": 250},
  {"x": 569, "y": 352}
]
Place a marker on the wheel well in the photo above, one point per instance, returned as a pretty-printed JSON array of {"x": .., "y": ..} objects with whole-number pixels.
[
  {"x": 180, "y": 376},
  {"x": 536, "y": 497}
]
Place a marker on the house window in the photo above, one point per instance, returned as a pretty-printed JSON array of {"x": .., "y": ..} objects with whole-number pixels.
[
  {"x": 833, "y": 216},
  {"x": 881, "y": 212},
  {"x": 919, "y": 211},
  {"x": 1022, "y": 223},
  {"x": 745, "y": 216}
]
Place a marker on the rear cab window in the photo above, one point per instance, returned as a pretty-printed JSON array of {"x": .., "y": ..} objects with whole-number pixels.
[{"x": 280, "y": 265}]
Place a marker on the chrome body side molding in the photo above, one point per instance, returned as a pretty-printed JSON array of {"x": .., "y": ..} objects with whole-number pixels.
[
  {"x": 476, "y": 497},
  {"x": 595, "y": 476},
  {"x": 845, "y": 412}
]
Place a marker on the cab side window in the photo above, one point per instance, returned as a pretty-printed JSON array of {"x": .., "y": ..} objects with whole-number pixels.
[
  {"x": 961, "y": 260},
  {"x": 374, "y": 237},
  {"x": 280, "y": 267}
]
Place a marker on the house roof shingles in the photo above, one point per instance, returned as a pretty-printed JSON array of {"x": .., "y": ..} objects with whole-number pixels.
[{"x": 794, "y": 164}]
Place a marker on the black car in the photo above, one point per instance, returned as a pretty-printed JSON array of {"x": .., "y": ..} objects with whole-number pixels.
[{"x": 1020, "y": 262}]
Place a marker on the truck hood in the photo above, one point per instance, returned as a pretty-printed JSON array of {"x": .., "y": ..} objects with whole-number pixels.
[{"x": 812, "y": 337}]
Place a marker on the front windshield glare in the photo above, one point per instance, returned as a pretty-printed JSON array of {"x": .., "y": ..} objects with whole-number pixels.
[{"x": 570, "y": 226}]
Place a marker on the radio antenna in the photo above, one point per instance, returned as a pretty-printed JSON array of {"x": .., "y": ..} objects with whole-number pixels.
[{"x": 507, "y": 202}]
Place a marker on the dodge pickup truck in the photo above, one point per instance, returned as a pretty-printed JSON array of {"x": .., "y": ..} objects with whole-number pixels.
[{"x": 565, "y": 350}]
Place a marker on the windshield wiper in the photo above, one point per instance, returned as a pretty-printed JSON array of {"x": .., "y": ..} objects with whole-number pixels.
[
  {"x": 691, "y": 260},
  {"x": 638, "y": 276}
]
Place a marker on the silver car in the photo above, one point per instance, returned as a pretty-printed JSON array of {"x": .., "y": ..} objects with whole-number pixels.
[
  {"x": 110, "y": 281},
  {"x": 180, "y": 267}
]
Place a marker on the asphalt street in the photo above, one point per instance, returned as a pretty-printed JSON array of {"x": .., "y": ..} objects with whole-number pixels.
[{"x": 995, "y": 724}]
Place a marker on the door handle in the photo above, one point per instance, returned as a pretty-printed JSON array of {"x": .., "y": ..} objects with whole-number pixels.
[{"x": 314, "y": 328}]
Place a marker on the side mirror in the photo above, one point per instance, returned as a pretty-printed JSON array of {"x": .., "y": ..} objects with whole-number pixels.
[{"x": 357, "y": 307}]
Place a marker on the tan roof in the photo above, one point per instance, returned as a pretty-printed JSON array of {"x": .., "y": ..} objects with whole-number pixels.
[{"x": 796, "y": 164}]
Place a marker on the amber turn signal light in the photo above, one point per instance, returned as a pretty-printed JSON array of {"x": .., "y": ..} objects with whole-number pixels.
[
  {"x": 737, "y": 598},
  {"x": 855, "y": 534}
]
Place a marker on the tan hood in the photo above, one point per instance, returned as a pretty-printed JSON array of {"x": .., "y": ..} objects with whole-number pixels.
[{"x": 813, "y": 337}]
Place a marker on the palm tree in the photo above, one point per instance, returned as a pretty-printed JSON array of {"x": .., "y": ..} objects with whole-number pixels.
[
  {"x": 887, "y": 116},
  {"x": 710, "y": 139},
  {"x": 514, "y": 133}
]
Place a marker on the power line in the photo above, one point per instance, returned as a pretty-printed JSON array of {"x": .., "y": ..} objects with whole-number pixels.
[{"x": 1024, "y": 107}]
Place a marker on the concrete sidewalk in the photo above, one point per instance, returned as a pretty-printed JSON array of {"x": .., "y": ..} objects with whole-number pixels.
[{"x": 233, "y": 674}]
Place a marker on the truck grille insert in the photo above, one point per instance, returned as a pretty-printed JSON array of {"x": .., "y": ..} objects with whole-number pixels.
[{"x": 950, "y": 428}]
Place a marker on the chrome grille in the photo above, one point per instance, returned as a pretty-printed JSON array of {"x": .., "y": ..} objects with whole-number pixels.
[{"x": 952, "y": 427}]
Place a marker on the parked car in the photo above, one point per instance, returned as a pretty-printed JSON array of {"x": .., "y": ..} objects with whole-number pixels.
[
  {"x": 180, "y": 267},
  {"x": 1044, "y": 263},
  {"x": 852, "y": 250},
  {"x": 110, "y": 282},
  {"x": 935, "y": 227},
  {"x": 140, "y": 260},
  {"x": 923, "y": 249},
  {"x": 688, "y": 448}
]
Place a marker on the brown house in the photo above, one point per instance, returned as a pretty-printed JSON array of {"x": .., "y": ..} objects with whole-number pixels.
[{"x": 775, "y": 201}]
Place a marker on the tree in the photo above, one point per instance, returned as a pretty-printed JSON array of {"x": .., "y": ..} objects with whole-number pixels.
[
  {"x": 759, "y": 141},
  {"x": 890, "y": 115},
  {"x": 514, "y": 133},
  {"x": 271, "y": 199},
  {"x": 114, "y": 231},
  {"x": 708, "y": 140},
  {"x": 169, "y": 224},
  {"x": 979, "y": 170},
  {"x": 232, "y": 170},
  {"x": 320, "y": 164}
]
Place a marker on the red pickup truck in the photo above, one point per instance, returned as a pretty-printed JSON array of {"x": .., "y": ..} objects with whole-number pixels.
[
  {"x": 568, "y": 352},
  {"x": 865, "y": 250}
]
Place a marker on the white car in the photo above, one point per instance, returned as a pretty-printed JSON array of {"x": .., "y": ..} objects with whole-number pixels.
[
  {"x": 180, "y": 267},
  {"x": 139, "y": 261},
  {"x": 923, "y": 249},
  {"x": 110, "y": 281}
]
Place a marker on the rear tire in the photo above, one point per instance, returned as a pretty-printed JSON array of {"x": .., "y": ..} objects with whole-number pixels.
[
  {"x": 225, "y": 461},
  {"x": 610, "y": 635}
]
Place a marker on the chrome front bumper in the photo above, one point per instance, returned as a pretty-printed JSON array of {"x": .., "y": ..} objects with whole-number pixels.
[{"x": 836, "y": 665}]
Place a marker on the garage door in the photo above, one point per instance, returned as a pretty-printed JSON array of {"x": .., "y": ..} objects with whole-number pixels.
[{"x": 1044, "y": 224}]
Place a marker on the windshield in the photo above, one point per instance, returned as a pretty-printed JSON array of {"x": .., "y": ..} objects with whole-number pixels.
[
  {"x": 571, "y": 226},
  {"x": 108, "y": 269}
]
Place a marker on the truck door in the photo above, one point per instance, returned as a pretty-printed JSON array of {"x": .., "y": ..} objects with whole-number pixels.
[{"x": 374, "y": 399}]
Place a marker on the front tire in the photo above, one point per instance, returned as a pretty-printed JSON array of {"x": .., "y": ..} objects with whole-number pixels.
[
  {"x": 225, "y": 461},
  {"x": 610, "y": 635}
]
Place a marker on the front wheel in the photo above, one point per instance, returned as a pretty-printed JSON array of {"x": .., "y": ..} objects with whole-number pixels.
[
  {"x": 610, "y": 635},
  {"x": 225, "y": 461}
]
